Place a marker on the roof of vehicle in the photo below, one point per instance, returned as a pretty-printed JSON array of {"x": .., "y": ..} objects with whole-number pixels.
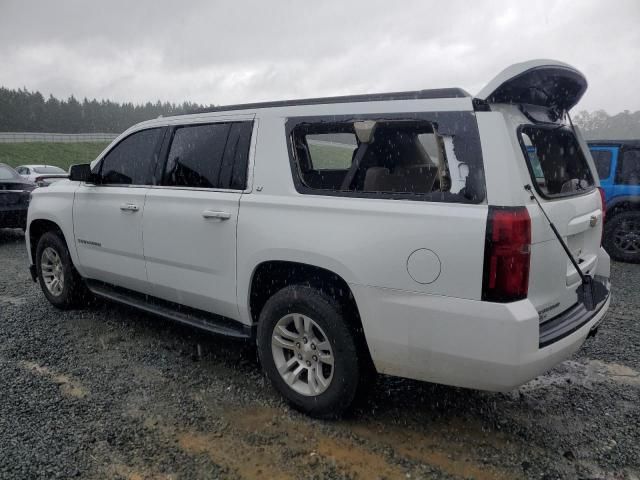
[
  {"x": 630, "y": 143},
  {"x": 369, "y": 97}
]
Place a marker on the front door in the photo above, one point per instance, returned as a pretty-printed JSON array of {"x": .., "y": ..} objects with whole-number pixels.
[
  {"x": 190, "y": 220},
  {"x": 108, "y": 215}
]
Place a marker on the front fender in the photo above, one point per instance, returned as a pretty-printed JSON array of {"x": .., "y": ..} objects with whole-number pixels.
[{"x": 54, "y": 204}]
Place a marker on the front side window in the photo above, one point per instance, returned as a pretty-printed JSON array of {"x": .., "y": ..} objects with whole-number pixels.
[
  {"x": 396, "y": 158},
  {"x": 133, "y": 160},
  {"x": 209, "y": 156},
  {"x": 602, "y": 159},
  {"x": 629, "y": 168},
  {"x": 555, "y": 153}
]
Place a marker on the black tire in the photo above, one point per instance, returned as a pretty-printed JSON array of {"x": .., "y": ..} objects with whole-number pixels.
[
  {"x": 614, "y": 237},
  {"x": 74, "y": 292},
  {"x": 349, "y": 363}
]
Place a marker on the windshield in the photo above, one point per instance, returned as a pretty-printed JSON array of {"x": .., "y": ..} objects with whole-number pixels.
[
  {"x": 556, "y": 161},
  {"x": 49, "y": 170},
  {"x": 7, "y": 173}
]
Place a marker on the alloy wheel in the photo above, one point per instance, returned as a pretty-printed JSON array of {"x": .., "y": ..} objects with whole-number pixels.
[
  {"x": 302, "y": 354},
  {"x": 52, "y": 271}
]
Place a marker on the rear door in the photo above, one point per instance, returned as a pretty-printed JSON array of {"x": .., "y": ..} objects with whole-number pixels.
[
  {"x": 107, "y": 216},
  {"x": 537, "y": 94},
  {"x": 567, "y": 191},
  {"x": 190, "y": 219}
]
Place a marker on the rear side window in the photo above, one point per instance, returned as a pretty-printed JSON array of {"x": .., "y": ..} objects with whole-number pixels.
[
  {"x": 209, "y": 156},
  {"x": 602, "y": 159},
  {"x": 555, "y": 153},
  {"x": 399, "y": 159},
  {"x": 133, "y": 160},
  {"x": 629, "y": 168}
]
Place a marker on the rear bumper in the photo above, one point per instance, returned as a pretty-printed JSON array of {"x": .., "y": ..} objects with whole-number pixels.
[
  {"x": 567, "y": 322},
  {"x": 465, "y": 343}
]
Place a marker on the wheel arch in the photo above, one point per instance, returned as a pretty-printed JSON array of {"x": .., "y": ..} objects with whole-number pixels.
[
  {"x": 270, "y": 276},
  {"x": 39, "y": 227},
  {"x": 622, "y": 204}
]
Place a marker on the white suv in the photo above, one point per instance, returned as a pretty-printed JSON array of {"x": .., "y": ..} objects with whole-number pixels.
[{"x": 399, "y": 233}]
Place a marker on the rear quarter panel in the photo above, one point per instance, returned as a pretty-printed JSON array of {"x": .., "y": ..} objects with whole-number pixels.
[{"x": 366, "y": 241}]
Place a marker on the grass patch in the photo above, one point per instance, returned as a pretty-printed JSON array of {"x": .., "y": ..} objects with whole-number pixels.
[
  {"x": 330, "y": 157},
  {"x": 62, "y": 155}
]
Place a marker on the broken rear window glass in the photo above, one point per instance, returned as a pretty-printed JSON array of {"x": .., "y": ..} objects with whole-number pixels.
[{"x": 385, "y": 157}]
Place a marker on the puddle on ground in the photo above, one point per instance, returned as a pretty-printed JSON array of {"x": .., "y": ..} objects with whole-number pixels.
[
  {"x": 614, "y": 371},
  {"x": 585, "y": 374},
  {"x": 356, "y": 460},
  {"x": 68, "y": 386},
  {"x": 452, "y": 447},
  {"x": 248, "y": 461},
  {"x": 265, "y": 442},
  {"x": 347, "y": 452},
  {"x": 130, "y": 473}
]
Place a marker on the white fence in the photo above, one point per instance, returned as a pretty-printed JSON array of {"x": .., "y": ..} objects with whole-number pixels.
[{"x": 21, "y": 137}]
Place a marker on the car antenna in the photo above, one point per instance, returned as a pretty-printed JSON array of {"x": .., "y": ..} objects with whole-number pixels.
[{"x": 590, "y": 292}]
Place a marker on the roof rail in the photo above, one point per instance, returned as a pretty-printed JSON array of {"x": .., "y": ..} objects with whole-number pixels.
[{"x": 370, "y": 97}]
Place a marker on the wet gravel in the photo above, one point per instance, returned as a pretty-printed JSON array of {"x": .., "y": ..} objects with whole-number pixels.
[{"x": 108, "y": 392}]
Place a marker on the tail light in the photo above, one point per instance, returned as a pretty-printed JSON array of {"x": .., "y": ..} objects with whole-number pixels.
[
  {"x": 603, "y": 202},
  {"x": 507, "y": 254}
]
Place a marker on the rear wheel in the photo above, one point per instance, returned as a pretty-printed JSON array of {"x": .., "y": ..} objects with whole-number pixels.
[
  {"x": 59, "y": 280},
  {"x": 622, "y": 237},
  {"x": 308, "y": 351}
]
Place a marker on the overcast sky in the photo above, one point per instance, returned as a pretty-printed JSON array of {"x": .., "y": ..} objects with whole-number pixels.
[{"x": 240, "y": 51}]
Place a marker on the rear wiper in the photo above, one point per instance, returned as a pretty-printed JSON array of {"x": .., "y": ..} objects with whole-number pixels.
[{"x": 590, "y": 292}]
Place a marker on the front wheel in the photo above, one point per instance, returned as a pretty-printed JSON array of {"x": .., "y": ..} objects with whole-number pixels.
[
  {"x": 308, "y": 351},
  {"x": 59, "y": 280},
  {"x": 622, "y": 237}
]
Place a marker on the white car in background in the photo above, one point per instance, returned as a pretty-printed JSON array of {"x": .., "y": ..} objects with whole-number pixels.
[{"x": 42, "y": 175}]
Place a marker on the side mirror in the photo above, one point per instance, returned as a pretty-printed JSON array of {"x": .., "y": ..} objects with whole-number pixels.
[{"x": 81, "y": 173}]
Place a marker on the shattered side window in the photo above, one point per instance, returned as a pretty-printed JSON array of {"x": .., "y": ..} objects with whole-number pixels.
[{"x": 385, "y": 157}]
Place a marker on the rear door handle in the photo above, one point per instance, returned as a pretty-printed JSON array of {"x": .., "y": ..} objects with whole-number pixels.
[
  {"x": 218, "y": 215},
  {"x": 129, "y": 207}
]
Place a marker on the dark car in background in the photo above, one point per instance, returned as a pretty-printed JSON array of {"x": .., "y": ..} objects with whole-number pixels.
[
  {"x": 618, "y": 166},
  {"x": 15, "y": 193}
]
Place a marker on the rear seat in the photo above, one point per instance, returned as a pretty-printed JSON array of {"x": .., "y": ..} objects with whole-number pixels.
[{"x": 412, "y": 178}]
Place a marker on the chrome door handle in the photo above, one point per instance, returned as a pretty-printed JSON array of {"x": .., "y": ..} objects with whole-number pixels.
[
  {"x": 215, "y": 214},
  {"x": 129, "y": 207}
]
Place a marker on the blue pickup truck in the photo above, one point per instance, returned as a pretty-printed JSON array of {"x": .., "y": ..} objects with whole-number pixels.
[{"x": 618, "y": 165}]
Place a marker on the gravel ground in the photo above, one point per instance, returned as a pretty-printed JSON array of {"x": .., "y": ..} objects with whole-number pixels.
[{"x": 108, "y": 392}]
